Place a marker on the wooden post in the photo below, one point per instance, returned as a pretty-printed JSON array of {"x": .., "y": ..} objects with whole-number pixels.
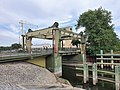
[
  {"x": 85, "y": 69},
  {"x": 96, "y": 73},
  {"x": 85, "y": 73},
  {"x": 101, "y": 52},
  {"x": 94, "y": 69},
  {"x": 117, "y": 84},
  {"x": 112, "y": 66}
]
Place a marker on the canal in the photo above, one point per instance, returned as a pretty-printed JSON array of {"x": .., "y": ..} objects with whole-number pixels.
[{"x": 77, "y": 81}]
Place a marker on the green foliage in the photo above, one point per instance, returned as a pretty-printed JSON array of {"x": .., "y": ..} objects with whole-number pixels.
[
  {"x": 99, "y": 27},
  {"x": 75, "y": 42},
  {"x": 4, "y": 48},
  {"x": 13, "y": 46},
  {"x": 16, "y": 46}
]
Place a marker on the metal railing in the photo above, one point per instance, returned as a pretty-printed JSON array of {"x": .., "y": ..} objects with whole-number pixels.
[
  {"x": 11, "y": 53},
  {"x": 37, "y": 51}
]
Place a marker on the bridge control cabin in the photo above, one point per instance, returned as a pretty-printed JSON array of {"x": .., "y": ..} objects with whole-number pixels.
[{"x": 58, "y": 36}]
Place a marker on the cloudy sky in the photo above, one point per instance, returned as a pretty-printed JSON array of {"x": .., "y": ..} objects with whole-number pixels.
[{"x": 45, "y": 12}]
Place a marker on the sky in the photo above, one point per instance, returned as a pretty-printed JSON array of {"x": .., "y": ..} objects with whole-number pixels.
[{"x": 43, "y": 13}]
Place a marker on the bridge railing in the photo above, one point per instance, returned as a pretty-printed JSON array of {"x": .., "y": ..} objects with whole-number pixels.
[
  {"x": 11, "y": 53},
  {"x": 42, "y": 51},
  {"x": 69, "y": 49}
]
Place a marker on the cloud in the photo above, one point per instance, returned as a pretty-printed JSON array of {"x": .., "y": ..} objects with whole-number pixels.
[
  {"x": 8, "y": 37},
  {"x": 45, "y": 12}
]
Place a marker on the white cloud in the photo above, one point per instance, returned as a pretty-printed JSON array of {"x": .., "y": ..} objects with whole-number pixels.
[
  {"x": 45, "y": 12},
  {"x": 7, "y": 37},
  {"x": 81, "y": 29}
]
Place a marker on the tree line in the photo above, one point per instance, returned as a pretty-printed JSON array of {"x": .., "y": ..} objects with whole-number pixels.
[{"x": 12, "y": 47}]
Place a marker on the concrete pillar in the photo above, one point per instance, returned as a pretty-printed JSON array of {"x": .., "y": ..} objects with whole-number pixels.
[
  {"x": 23, "y": 42},
  {"x": 56, "y": 56},
  {"x": 82, "y": 48},
  {"x": 94, "y": 69},
  {"x": 28, "y": 45}
]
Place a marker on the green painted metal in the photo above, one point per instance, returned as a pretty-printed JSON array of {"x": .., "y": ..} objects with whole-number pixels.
[
  {"x": 50, "y": 63},
  {"x": 58, "y": 64}
]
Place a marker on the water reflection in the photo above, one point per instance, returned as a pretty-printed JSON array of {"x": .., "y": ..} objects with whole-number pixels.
[
  {"x": 78, "y": 82},
  {"x": 101, "y": 85}
]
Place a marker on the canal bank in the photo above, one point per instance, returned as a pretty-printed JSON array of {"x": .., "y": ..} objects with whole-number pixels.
[{"x": 69, "y": 73}]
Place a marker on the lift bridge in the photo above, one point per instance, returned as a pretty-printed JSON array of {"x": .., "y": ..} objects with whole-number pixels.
[
  {"x": 54, "y": 58},
  {"x": 51, "y": 59}
]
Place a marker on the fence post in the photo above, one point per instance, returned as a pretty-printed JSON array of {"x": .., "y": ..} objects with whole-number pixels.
[
  {"x": 101, "y": 52},
  {"x": 85, "y": 73},
  {"x": 94, "y": 69},
  {"x": 85, "y": 69},
  {"x": 112, "y": 66},
  {"x": 117, "y": 85}
]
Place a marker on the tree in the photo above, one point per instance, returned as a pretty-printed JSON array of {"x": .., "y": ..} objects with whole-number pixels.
[
  {"x": 99, "y": 27},
  {"x": 2, "y": 48},
  {"x": 75, "y": 42},
  {"x": 16, "y": 46}
]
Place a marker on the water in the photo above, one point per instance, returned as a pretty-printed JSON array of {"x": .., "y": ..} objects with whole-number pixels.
[
  {"x": 78, "y": 81},
  {"x": 101, "y": 85}
]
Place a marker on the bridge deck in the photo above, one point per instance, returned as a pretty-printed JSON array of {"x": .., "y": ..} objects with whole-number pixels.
[{"x": 22, "y": 56}]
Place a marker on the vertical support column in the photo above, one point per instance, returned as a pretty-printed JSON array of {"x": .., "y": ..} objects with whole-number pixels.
[
  {"x": 62, "y": 44},
  {"x": 94, "y": 69},
  {"x": 57, "y": 57},
  {"x": 82, "y": 48},
  {"x": 83, "y": 52},
  {"x": 60, "y": 41},
  {"x": 28, "y": 45},
  {"x": 101, "y": 52},
  {"x": 23, "y": 42},
  {"x": 112, "y": 66},
  {"x": 117, "y": 78}
]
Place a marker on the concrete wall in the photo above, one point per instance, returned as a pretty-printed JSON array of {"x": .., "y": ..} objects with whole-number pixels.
[
  {"x": 50, "y": 63},
  {"x": 72, "y": 58},
  {"x": 40, "y": 61}
]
